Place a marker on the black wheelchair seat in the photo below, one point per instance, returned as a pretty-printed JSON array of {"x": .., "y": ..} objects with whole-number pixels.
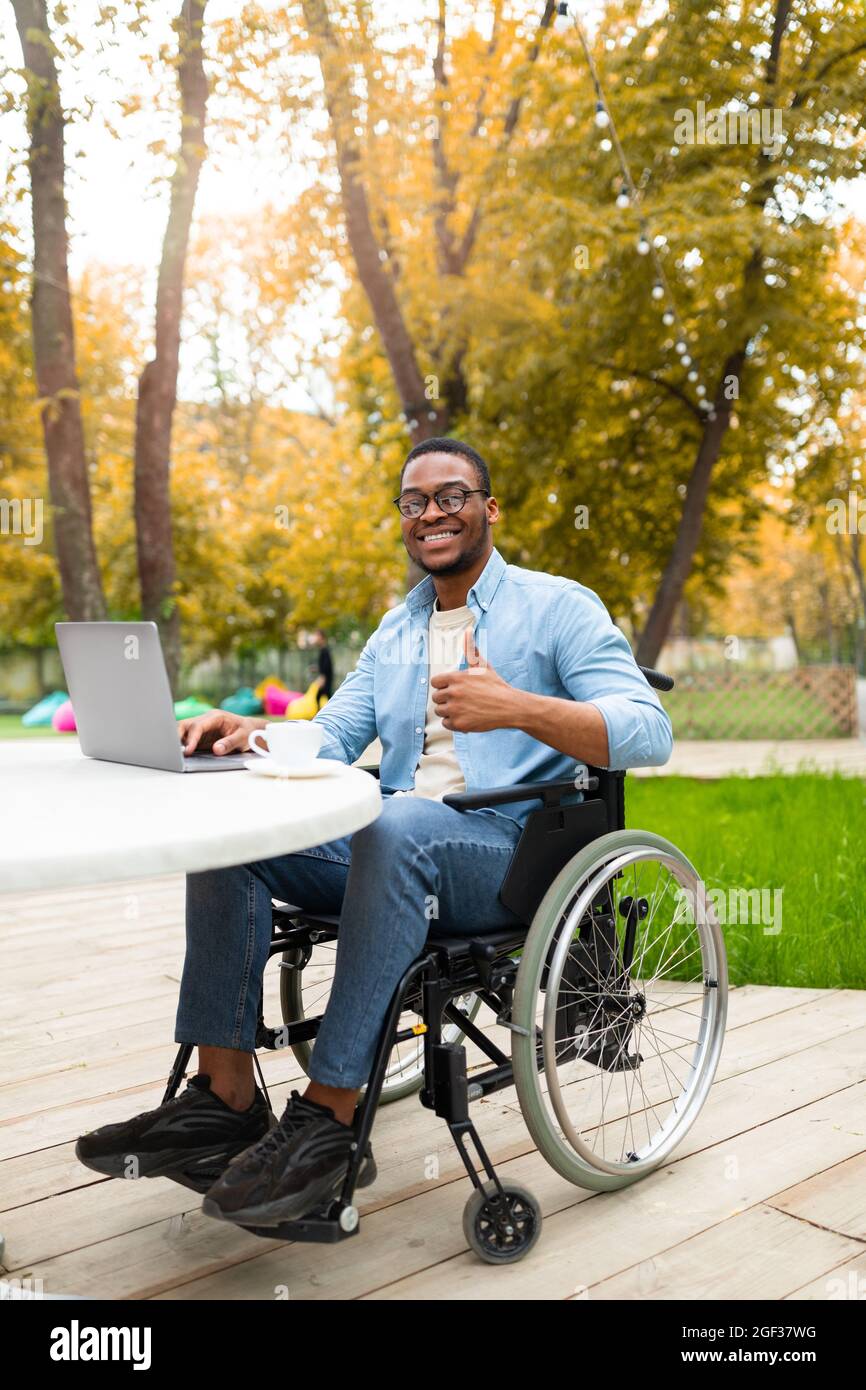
[{"x": 449, "y": 947}]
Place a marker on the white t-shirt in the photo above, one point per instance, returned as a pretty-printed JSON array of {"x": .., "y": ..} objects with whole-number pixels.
[{"x": 438, "y": 773}]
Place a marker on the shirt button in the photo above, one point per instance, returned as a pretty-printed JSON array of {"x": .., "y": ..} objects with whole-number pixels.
[{"x": 417, "y": 728}]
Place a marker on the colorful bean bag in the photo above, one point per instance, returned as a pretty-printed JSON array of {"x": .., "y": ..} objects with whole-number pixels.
[
  {"x": 190, "y": 707},
  {"x": 244, "y": 701},
  {"x": 63, "y": 719},
  {"x": 278, "y": 698},
  {"x": 307, "y": 705},
  {"x": 269, "y": 680},
  {"x": 39, "y": 717}
]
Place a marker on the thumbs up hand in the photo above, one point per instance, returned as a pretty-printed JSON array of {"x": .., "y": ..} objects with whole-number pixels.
[{"x": 477, "y": 699}]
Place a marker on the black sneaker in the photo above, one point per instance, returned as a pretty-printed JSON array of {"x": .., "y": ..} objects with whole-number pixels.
[
  {"x": 191, "y": 1138},
  {"x": 291, "y": 1172}
]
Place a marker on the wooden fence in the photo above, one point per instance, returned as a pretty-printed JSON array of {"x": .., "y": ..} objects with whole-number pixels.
[{"x": 808, "y": 702}]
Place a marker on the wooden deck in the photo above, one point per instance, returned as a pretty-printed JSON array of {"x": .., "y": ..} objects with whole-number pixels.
[{"x": 765, "y": 1199}]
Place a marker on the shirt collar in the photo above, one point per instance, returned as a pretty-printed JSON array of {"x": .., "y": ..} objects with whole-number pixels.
[{"x": 481, "y": 593}]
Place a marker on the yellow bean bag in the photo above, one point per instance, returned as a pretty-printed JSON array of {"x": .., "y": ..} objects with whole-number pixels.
[{"x": 308, "y": 705}]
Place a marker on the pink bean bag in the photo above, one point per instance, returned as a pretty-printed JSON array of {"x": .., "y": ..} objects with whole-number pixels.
[
  {"x": 276, "y": 700},
  {"x": 63, "y": 719}
]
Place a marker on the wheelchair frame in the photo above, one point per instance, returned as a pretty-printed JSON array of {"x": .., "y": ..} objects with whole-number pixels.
[{"x": 448, "y": 968}]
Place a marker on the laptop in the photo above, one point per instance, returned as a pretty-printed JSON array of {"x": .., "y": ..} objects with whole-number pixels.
[{"x": 117, "y": 682}]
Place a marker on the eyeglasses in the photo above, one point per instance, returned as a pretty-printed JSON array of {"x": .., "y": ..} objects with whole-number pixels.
[{"x": 452, "y": 499}]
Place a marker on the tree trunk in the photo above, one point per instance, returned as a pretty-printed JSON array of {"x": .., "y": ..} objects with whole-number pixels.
[
  {"x": 691, "y": 523},
  {"x": 53, "y": 334},
  {"x": 157, "y": 387},
  {"x": 424, "y": 417}
]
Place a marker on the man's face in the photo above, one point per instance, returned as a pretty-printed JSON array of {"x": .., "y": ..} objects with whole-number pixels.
[{"x": 447, "y": 542}]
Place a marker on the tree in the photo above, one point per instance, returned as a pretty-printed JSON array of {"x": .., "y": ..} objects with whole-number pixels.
[
  {"x": 157, "y": 391},
  {"x": 53, "y": 336}
]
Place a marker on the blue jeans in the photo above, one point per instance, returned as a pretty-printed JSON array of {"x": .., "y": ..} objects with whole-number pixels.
[{"x": 420, "y": 867}]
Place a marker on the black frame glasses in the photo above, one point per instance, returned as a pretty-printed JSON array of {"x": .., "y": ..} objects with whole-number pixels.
[{"x": 451, "y": 491}]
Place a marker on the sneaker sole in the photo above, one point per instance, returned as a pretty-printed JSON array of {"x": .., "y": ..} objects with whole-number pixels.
[
  {"x": 290, "y": 1208},
  {"x": 164, "y": 1163}
]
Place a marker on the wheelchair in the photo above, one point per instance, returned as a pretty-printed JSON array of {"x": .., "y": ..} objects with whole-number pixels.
[{"x": 612, "y": 989}]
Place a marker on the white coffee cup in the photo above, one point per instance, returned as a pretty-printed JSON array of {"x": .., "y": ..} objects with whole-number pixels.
[{"x": 291, "y": 743}]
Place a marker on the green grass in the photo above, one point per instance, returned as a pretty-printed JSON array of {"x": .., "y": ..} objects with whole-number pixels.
[
  {"x": 803, "y": 834},
  {"x": 11, "y": 727}
]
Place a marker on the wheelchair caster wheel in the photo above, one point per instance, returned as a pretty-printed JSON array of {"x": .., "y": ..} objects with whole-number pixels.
[
  {"x": 501, "y": 1234},
  {"x": 349, "y": 1219}
]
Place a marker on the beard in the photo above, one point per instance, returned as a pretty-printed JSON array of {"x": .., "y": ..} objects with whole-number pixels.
[{"x": 464, "y": 561}]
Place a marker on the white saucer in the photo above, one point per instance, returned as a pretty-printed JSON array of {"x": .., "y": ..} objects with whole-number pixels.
[{"x": 319, "y": 767}]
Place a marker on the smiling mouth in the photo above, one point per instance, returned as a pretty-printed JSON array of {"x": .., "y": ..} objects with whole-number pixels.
[{"x": 437, "y": 536}]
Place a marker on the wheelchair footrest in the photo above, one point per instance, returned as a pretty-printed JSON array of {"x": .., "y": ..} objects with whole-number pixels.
[{"x": 323, "y": 1227}]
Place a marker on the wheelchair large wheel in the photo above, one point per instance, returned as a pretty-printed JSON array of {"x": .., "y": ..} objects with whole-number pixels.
[
  {"x": 620, "y": 1005},
  {"x": 304, "y": 993}
]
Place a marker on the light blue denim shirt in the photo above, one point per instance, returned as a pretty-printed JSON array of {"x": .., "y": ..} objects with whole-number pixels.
[{"x": 541, "y": 632}]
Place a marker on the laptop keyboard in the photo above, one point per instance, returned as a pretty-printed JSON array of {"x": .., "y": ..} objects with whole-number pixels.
[{"x": 213, "y": 762}]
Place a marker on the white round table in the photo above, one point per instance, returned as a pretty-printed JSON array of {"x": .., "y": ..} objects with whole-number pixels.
[{"x": 67, "y": 820}]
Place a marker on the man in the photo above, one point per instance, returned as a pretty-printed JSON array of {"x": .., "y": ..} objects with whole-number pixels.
[
  {"x": 325, "y": 664},
  {"x": 487, "y": 675}
]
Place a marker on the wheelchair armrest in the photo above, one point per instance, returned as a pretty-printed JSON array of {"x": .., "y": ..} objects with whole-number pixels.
[{"x": 551, "y": 793}]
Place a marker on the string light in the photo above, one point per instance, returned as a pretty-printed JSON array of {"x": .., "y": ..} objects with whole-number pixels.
[
  {"x": 628, "y": 196},
  {"x": 560, "y": 22}
]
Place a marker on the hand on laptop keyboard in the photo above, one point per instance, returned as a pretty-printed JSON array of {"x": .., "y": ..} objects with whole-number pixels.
[{"x": 217, "y": 732}]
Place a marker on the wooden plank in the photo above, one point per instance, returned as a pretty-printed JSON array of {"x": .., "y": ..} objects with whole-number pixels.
[
  {"x": 834, "y": 1199},
  {"x": 837, "y": 1010},
  {"x": 760, "y": 1254},
  {"x": 844, "y": 1283},
  {"x": 423, "y": 1227},
  {"x": 639, "y": 1223},
  {"x": 781, "y": 1052}
]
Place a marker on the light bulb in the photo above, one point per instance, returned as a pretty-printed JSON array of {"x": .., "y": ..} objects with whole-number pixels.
[
  {"x": 643, "y": 247},
  {"x": 687, "y": 361},
  {"x": 622, "y": 198},
  {"x": 667, "y": 318},
  {"x": 561, "y": 21},
  {"x": 693, "y": 376},
  {"x": 701, "y": 390},
  {"x": 679, "y": 346},
  {"x": 658, "y": 291},
  {"x": 605, "y": 145},
  {"x": 602, "y": 119}
]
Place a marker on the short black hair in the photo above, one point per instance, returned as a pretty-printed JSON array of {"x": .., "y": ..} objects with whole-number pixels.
[{"x": 443, "y": 445}]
